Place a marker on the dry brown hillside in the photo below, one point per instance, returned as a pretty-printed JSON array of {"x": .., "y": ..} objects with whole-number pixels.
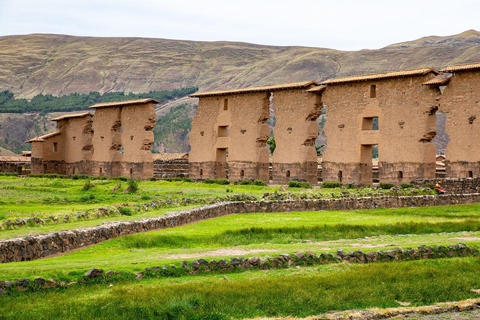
[{"x": 60, "y": 64}]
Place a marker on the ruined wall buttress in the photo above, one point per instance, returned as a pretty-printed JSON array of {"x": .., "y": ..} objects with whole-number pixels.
[
  {"x": 295, "y": 132},
  {"x": 202, "y": 139},
  {"x": 461, "y": 101},
  {"x": 77, "y": 133},
  {"x": 107, "y": 142},
  {"x": 138, "y": 122},
  {"x": 248, "y": 156}
]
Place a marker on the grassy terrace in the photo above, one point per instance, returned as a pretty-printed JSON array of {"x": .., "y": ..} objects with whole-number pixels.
[{"x": 297, "y": 291}]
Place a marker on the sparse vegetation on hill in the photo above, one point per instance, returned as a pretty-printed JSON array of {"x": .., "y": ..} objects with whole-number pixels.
[{"x": 75, "y": 101}]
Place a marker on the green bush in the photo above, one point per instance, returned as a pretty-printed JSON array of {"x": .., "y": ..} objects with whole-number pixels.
[
  {"x": 132, "y": 186},
  {"x": 125, "y": 211},
  {"x": 386, "y": 185},
  {"x": 119, "y": 178},
  {"x": 87, "y": 198},
  {"x": 405, "y": 185},
  {"x": 8, "y": 174},
  {"x": 300, "y": 184},
  {"x": 331, "y": 184},
  {"x": 259, "y": 182},
  {"x": 145, "y": 197},
  {"x": 217, "y": 181},
  {"x": 351, "y": 185},
  {"x": 187, "y": 179},
  {"x": 88, "y": 185},
  {"x": 78, "y": 176},
  {"x": 246, "y": 182},
  {"x": 152, "y": 179}
]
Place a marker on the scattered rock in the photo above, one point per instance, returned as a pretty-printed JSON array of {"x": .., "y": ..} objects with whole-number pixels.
[{"x": 94, "y": 273}]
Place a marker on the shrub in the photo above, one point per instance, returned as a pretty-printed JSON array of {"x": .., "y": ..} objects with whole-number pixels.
[
  {"x": 217, "y": 181},
  {"x": 119, "y": 178},
  {"x": 405, "y": 185},
  {"x": 187, "y": 179},
  {"x": 300, "y": 184},
  {"x": 351, "y": 185},
  {"x": 125, "y": 211},
  {"x": 145, "y": 197},
  {"x": 428, "y": 185},
  {"x": 246, "y": 182},
  {"x": 87, "y": 197},
  {"x": 386, "y": 185},
  {"x": 331, "y": 184},
  {"x": 8, "y": 174},
  {"x": 152, "y": 179},
  {"x": 259, "y": 182},
  {"x": 132, "y": 186},
  {"x": 88, "y": 185},
  {"x": 78, "y": 176}
]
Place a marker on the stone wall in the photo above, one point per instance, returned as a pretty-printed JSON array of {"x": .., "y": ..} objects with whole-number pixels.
[
  {"x": 31, "y": 248},
  {"x": 453, "y": 186},
  {"x": 170, "y": 169}
]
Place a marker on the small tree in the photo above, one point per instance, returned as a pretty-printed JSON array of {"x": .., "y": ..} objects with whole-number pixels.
[{"x": 271, "y": 144}]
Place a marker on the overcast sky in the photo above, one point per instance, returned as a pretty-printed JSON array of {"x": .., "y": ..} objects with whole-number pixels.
[{"x": 338, "y": 24}]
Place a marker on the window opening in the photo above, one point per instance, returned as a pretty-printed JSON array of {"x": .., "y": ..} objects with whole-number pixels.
[
  {"x": 370, "y": 123},
  {"x": 470, "y": 174},
  {"x": 55, "y": 147},
  {"x": 288, "y": 174},
  {"x": 400, "y": 174},
  {"x": 242, "y": 174},
  {"x": 225, "y": 104},
  {"x": 373, "y": 91},
  {"x": 340, "y": 176},
  {"x": 223, "y": 131}
]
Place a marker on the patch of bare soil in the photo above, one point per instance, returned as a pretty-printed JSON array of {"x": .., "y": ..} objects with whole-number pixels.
[
  {"x": 365, "y": 245},
  {"x": 468, "y": 238},
  {"x": 217, "y": 253},
  {"x": 461, "y": 310}
]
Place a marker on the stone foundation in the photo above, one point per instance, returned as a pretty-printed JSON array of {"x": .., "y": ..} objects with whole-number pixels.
[
  {"x": 452, "y": 186},
  {"x": 347, "y": 172},
  {"x": 462, "y": 169},
  {"x": 199, "y": 171},
  {"x": 282, "y": 173},
  {"x": 35, "y": 247},
  {"x": 247, "y": 170},
  {"x": 405, "y": 172},
  {"x": 170, "y": 169}
]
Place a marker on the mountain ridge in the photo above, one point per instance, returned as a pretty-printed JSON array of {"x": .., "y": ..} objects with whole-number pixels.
[{"x": 62, "y": 64}]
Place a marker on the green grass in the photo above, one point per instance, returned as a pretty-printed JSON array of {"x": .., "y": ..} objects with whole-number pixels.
[
  {"x": 298, "y": 292},
  {"x": 268, "y": 234}
]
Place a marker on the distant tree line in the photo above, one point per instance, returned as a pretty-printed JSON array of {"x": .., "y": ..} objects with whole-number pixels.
[{"x": 75, "y": 101}]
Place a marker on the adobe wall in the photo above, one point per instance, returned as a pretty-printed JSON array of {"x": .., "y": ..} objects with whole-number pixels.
[
  {"x": 137, "y": 137},
  {"x": 295, "y": 132},
  {"x": 236, "y": 123},
  {"x": 202, "y": 138},
  {"x": 170, "y": 169},
  {"x": 37, "y": 157},
  {"x": 106, "y": 142},
  {"x": 461, "y": 102},
  {"x": 53, "y": 160},
  {"x": 406, "y": 119},
  {"x": 77, "y": 137}
]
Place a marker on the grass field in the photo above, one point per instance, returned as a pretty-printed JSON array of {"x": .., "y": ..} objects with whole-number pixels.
[{"x": 297, "y": 291}]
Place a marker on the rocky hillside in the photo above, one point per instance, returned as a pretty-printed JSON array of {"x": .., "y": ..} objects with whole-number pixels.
[{"x": 60, "y": 65}]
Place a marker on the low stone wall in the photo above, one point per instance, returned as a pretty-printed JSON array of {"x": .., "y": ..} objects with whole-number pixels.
[
  {"x": 170, "y": 169},
  {"x": 453, "y": 186},
  {"x": 31, "y": 248}
]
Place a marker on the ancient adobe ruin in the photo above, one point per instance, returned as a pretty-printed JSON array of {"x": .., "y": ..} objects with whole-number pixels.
[
  {"x": 393, "y": 111},
  {"x": 116, "y": 141}
]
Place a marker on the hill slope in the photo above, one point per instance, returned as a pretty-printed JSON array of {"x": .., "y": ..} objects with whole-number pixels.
[{"x": 59, "y": 64}]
